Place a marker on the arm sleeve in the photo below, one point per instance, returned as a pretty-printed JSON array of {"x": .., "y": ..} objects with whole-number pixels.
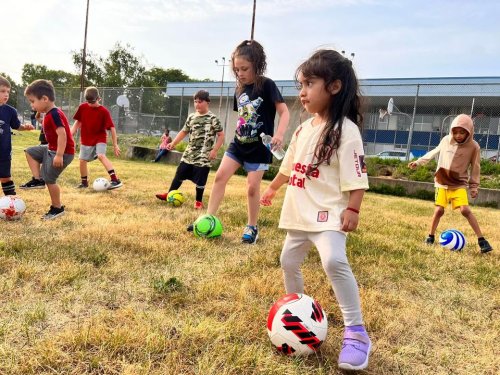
[
  {"x": 273, "y": 91},
  {"x": 108, "y": 121},
  {"x": 14, "y": 121},
  {"x": 430, "y": 155},
  {"x": 56, "y": 118},
  {"x": 187, "y": 125},
  {"x": 352, "y": 175},
  {"x": 216, "y": 124},
  {"x": 78, "y": 114},
  {"x": 475, "y": 171}
]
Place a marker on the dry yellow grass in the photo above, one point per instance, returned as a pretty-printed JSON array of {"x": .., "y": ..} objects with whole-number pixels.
[{"x": 117, "y": 286}]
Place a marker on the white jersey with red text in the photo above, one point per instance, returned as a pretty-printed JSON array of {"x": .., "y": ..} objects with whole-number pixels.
[{"x": 315, "y": 203}]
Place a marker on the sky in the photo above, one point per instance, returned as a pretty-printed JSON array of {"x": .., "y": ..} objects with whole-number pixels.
[{"x": 389, "y": 38}]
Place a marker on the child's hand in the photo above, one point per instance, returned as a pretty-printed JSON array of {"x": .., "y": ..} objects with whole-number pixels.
[
  {"x": 58, "y": 161},
  {"x": 26, "y": 127},
  {"x": 412, "y": 165},
  {"x": 267, "y": 197},
  {"x": 212, "y": 155},
  {"x": 349, "y": 220},
  {"x": 170, "y": 146},
  {"x": 117, "y": 150},
  {"x": 277, "y": 141},
  {"x": 473, "y": 193}
]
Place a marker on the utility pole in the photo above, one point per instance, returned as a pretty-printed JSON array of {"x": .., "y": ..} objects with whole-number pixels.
[
  {"x": 253, "y": 19},
  {"x": 84, "y": 54}
]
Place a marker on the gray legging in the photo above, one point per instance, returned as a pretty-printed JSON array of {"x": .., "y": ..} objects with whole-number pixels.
[{"x": 331, "y": 248}]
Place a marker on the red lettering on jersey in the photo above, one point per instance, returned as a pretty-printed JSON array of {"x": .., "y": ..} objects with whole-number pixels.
[
  {"x": 303, "y": 168},
  {"x": 296, "y": 181},
  {"x": 356, "y": 164}
]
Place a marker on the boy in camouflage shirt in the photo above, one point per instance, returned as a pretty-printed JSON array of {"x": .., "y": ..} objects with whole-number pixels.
[{"x": 205, "y": 138}]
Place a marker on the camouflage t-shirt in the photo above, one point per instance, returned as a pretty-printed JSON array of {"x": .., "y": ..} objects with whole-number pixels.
[{"x": 202, "y": 131}]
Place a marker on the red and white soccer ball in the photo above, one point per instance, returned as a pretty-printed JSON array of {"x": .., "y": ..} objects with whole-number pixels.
[
  {"x": 12, "y": 207},
  {"x": 297, "y": 324}
]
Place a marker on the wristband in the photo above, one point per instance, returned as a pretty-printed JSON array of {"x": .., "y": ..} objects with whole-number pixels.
[{"x": 353, "y": 210}]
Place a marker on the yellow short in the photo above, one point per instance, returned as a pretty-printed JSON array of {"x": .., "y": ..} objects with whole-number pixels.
[{"x": 457, "y": 197}]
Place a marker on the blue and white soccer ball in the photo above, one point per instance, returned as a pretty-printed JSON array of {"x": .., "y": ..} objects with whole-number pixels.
[{"x": 452, "y": 239}]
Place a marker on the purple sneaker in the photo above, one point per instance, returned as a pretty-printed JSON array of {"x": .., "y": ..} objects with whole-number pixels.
[{"x": 355, "y": 350}]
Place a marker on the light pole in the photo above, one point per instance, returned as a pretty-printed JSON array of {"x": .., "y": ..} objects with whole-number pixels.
[
  {"x": 223, "y": 64},
  {"x": 84, "y": 54}
]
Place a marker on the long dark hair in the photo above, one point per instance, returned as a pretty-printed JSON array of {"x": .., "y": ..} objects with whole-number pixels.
[
  {"x": 252, "y": 51},
  {"x": 331, "y": 66}
]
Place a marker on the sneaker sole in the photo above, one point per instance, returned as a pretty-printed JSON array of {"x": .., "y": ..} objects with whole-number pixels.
[
  {"x": 251, "y": 243},
  {"x": 486, "y": 251},
  {"x": 51, "y": 217},
  {"x": 348, "y": 366},
  {"x": 32, "y": 187},
  {"x": 115, "y": 187}
]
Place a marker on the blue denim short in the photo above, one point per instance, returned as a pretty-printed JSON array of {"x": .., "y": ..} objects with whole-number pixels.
[{"x": 249, "y": 167}]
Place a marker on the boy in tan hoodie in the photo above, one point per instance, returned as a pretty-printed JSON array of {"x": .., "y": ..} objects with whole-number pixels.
[{"x": 457, "y": 151}]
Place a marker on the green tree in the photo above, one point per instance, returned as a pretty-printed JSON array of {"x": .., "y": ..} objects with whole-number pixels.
[
  {"x": 159, "y": 76},
  {"x": 122, "y": 68},
  {"x": 59, "y": 78},
  {"x": 94, "y": 68}
]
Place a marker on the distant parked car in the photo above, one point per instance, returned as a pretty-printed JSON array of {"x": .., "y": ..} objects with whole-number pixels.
[{"x": 392, "y": 154}]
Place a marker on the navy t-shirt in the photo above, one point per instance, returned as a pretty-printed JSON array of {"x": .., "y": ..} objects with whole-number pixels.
[
  {"x": 8, "y": 120},
  {"x": 256, "y": 113}
]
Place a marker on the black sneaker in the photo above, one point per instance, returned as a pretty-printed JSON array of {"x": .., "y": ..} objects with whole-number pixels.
[
  {"x": 53, "y": 213},
  {"x": 82, "y": 186},
  {"x": 34, "y": 183},
  {"x": 429, "y": 240},
  {"x": 485, "y": 246},
  {"x": 115, "y": 185},
  {"x": 189, "y": 228}
]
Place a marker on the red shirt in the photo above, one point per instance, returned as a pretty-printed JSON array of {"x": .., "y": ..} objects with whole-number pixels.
[
  {"x": 95, "y": 123},
  {"x": 54, "y": 119}
]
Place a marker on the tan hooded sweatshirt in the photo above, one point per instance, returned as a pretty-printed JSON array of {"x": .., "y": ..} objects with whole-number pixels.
[{"x": 455, "y": 158}]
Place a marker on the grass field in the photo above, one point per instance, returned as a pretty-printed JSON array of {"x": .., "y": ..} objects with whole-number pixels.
[{"x": 117, "y": 286}]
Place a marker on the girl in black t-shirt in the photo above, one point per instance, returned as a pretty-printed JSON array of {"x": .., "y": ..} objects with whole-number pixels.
[{"x": 257, "y": 99}]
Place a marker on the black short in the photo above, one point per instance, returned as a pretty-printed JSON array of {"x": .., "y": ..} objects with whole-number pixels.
[
  {"x": 191, "y": 172},
  {"x": 5, "y": 168}
]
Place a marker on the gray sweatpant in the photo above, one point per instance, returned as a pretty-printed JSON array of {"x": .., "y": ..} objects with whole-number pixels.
[{"x": 331, "y": 248}]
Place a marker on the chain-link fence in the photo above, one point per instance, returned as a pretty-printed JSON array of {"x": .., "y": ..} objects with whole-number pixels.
[{"x": 420, "y": 116}]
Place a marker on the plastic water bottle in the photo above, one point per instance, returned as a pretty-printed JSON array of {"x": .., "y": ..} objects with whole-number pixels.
[{"x": 278, "y": 153}]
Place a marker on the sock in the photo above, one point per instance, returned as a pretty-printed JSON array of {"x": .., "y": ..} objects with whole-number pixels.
[
  {"x": 359, "y": 329},
  {"x": 199, "y": 193},
  {"x": 112, "y": 174},
  {"x": 479, "y": 239},
  {"x": 431, "y": 235},
  {"x": 85, "y": 181},
  {"x": 9, "y": 188}
]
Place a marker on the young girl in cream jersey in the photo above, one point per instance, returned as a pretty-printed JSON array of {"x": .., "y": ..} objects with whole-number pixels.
[{"x": 326, "y": 179}]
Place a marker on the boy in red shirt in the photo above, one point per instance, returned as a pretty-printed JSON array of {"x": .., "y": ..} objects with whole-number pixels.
[
  {"x": 94, "y": 120},
  {"x": 48, "y": 161}
]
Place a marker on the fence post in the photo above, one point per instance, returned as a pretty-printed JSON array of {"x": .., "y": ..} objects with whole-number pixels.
[
  {"x": 410, "y": 133},
  {"x": 180, "y": 109}
]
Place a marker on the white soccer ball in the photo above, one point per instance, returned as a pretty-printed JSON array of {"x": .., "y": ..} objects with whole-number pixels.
[
  {"x": 12, "y": 207},
  {"x": 452, "y": 239},
  {"x": 101, "y": 184},
  {"x": 297, "y": 324}
]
